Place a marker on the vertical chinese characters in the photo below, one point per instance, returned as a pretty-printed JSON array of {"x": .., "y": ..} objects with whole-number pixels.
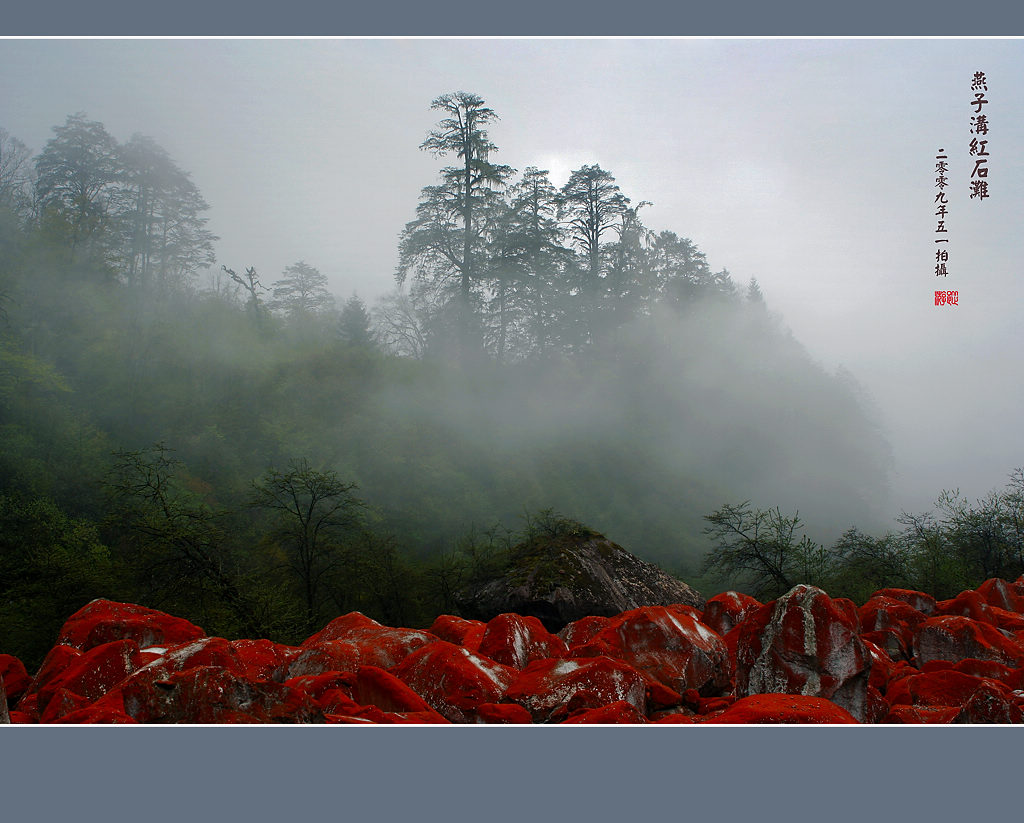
[
  {"x": 977, "y": 147},
  {"x": 941, "y": 210}
]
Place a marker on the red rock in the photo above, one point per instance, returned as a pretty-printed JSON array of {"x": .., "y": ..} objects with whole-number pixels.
[
  {"x": 206, "y": 652},
  {"x": 56, "y": 660},
  {"x": 882, "y": 667},
  {"x": 1002, "y": 595},
  {"x": 885, "y": 614},
  {"x": 95, "y": 715},
  {"x": 622, "y": 711},
  {"x": 336, "y": 702},
  {"x": 725, "y": 611},
  {"x": 60, "y": 703},
  {"x": 21, "y": 718},
  {"x": 967, "y": 604},
  {"x": 548, "y": 689},
  {"x": 516, "y": 640},
  {"x": 804, "y": 643},
  {"x": 147, "y": 656},
  {"x": 454, "y": 680},
  {"x": 316, "y": 685},
  {"x": 989, "y": 669},
  {"x": 212, "y": 694},
  {"x": 950, "y": 688},
  {"x": 710, "y": 705},
  {"x": 340, "y": 702},
  {"x": 659, "y": 696},
  {"x": 958, "y": 638},
  {"x": 338, "y": 708},
  {"x": 877, "y": 706},
  {"x": 27, "y": 706},
  {"x": 672, "y": 717},
  {"x": 473, "y": 637},
  {"x": 678, "y": 650},
  {"x": 685, "y": 611},
  {"x": 347, "y": 719},
  {"x": 924, "y": 603},
  {"x": 375, "y": 687},
  {"x": 93, "y": 674},
  {"x": 377, "y": 645},
  {"x": 14, "y": 677},
  {"x": 1008, "y": 621},
  {"x": 920, "y": 714},
  {"x": 991, "y": 703},
  {"x": 581, "y": 631},
  {"x": 263, "y": 659},
  {"x": 329, "y": 656},
  {"x": 890, "y": 642},
  {"x": 453, "y": 629},
  {"x": 103, "y": 621},
  {"x": 783, "y": 708},
  {"x": 504, "y": 713}
]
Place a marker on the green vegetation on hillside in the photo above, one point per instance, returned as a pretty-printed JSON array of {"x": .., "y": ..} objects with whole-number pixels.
[{"x": 261, "y": 457}]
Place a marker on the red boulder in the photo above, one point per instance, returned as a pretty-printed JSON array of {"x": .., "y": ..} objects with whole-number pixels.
[
  {"x": 673, "y": 647},
  {"x": 967, "y": 604},
  {"x": 376, "y": 687},
  {"x": 516, "y": 640},
  {"x": 915, "y": 715},
  {"x": 453, "y": 629},
  {"x": 804, "y": 643},
  {"x": 991, "y": 703},
  {"x": 978, "y": 700},
  {"x": 783, "y": 708},
  {"x": 550, "y": 689},
  {"x": 377, "y": 645},
  {"x": 328, "y": 656},
  {"x": 454, "y": 680},
  {"x": 502, "y": 713},
  {"x": 212, "y": 694},
  {"x": 882, "y": 615},
  {"x": 723, "y": 612},
  {"x": 924, "y": 603},
  {"x": 14, "y": 677},
  {"x": 956, "y": 638},
  {"x": 93, "y": 674},
  {"x": 621, "y": 711},
  {"x": 1002, "y": 595},
  {"x": 103, "y": 621},
  {"x": 581, "y": 631},
  {"x": 264, "y": 659},
  {"x": 93, "y": 714}
]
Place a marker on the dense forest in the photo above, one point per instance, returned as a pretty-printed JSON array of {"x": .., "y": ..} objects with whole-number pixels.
[{"x": 258, "y": 456}]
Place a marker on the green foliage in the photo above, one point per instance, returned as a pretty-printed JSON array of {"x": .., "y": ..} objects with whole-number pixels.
[
  {"x": 760, "y": 547},
  {"x": 176, "y": 543},
  {"x": 314, "y": 511},
  {"x": 354, "y": 327},
  {"x": 50, "y": 566},
  {"x": 636, "y": 416},
  {"x": 961, "y": 548},
  {"x": 302, "y": 292}
]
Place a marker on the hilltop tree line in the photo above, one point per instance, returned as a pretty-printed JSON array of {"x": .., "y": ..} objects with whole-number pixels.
[
  {"x": 958, "y": 546},
  {"x": 256, "y": 457},
  {"x": 517, "y": 268}
]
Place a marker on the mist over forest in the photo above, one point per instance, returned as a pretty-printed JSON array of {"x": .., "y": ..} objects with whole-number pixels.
[{"x": 247, "y": 449}]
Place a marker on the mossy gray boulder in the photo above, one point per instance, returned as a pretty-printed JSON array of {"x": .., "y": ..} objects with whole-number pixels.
[{"x": 562, "y": 574}]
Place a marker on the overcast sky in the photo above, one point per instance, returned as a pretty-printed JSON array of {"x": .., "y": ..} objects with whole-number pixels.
[{"x": 808, "y": 164}]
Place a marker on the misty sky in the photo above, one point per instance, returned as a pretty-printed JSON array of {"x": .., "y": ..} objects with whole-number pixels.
[{"x": 808, "y": 164}]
